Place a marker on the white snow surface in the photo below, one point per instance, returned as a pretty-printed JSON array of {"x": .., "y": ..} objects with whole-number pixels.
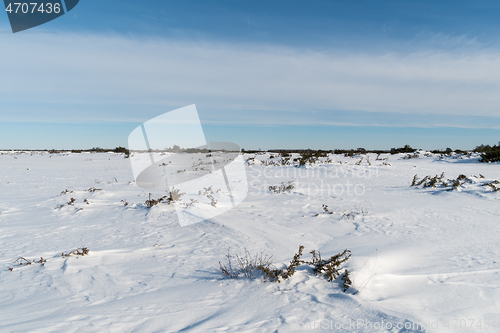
[{"x": 423, "y": 259}]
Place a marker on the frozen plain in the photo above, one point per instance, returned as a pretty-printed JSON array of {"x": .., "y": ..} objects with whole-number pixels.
[{"x": 427, "y": 259}]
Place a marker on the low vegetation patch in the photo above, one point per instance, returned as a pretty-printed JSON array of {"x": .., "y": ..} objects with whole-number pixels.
[
  {"x": 250, "y": 266},
  {"x": 351, "y": 214},
  {"x": 81, "y": 251},
  {"x": 209, "y": 193},
  {"x": 22, "y": 261},
  {"x": 347, "y": 214},
  {"x": 439, "y": 181},
  {"x": 283, "y": 187},
  {"x": 245, "y": 265},
  {"x": 405, "y": 149},
  {"x": 172, "y": 196},
  {"x": 489, "y": 153},
  {"x": 410, "y": 156},
  {"x": 494, "y": 185}
]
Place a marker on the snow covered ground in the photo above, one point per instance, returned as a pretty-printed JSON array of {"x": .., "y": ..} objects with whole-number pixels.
[{"x": 423, "y": 259}]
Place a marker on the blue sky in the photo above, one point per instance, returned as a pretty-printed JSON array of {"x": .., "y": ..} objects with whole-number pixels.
[{"x": 263, "y": 74}]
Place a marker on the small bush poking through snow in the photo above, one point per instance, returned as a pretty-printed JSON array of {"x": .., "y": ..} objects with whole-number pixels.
[
  {"x": 81, "y": 251},
  {"x": 410, "y": 156},
  {"x": 21, "y": 261},
  {"x": 452, "y": 184},
  {"x": 282, "y": 187},
  {"x": 173, "y": 196},
  {"x": 325, "y": 210},
  {"x": 208, "y": 192},
  {"x": 248, "y": 265},
  {"x": 495, "y": 185},
  {"x": 330, "y": 268},
  {"x": 351, "y": 214}
]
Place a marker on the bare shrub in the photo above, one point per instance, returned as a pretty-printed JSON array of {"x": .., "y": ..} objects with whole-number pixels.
[
  {"x": 282, "y": 187},
  {"x": 22, "y": 261},
  {"x": 172, "y": 196},
  {"x": 209, "y": 193},
  {"x": 410, "y": 156},
  {"x": 246, "y": 265},
  {"x": 330, "y": 268},
  {"x": 494, "y": 185},
  {"x": 451, "y": 184},
  {"x": 346, "y": 281},
  {"x": 356, "y": 211},
  {"x": 326, "y": 210},
  {"x": 81, "y": 251}
]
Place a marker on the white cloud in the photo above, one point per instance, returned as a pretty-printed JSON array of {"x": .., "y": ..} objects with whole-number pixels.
[{"x": 77, "y": 69}]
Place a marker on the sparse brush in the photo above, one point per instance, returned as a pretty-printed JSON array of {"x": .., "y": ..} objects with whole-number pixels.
[
  {"x": 208, "y": 192},
  {"x": 451, "y": 184},
  {"x": 354, "y": 212},
  {"x": 330, "y": 267},
  {"x": 190, "y": 203},
  {"x": 415, "y": 180},
  {"x": 326, "y": 210},
  {"x": 81, "y": 251},
  {"x": 153, "y": 202},
  {"x": 493, "y": 185},
  {"x": 433, "y": 181},
  {"x": 247, "y": 264},
  {"x": 346, "y": 281},
  {"x": 282, "y": 187},
  {"x": 173, "y": 196},
  {"x": 410, "y": 156},
  {"x": 21, "y": 261},
  {"x": 93, "y": 189}
]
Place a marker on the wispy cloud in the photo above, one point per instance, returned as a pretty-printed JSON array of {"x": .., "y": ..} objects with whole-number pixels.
[{"x": 112, "y": 78}]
